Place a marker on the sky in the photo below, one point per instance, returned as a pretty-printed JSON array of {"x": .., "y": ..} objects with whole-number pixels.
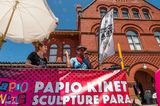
[{"x": 65, "y": 10}]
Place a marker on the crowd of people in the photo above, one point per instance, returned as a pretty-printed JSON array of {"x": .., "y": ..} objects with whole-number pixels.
[{"x": 37, "y": 58}]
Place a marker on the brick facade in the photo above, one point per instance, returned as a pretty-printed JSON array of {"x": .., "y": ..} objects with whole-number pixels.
[{"x": 60, "y": 38}]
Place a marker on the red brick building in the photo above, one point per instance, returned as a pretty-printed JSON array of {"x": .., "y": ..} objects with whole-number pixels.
[{"x": 137, "y": 29}]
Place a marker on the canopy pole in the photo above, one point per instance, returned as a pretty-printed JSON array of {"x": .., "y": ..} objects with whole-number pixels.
[{"x": 2, "y": 38}]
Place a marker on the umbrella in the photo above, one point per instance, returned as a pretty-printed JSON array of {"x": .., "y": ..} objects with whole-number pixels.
[{"x": 25, "y": 20}]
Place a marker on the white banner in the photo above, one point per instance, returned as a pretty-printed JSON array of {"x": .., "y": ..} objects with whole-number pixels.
[{"x": 106, "y": 42}]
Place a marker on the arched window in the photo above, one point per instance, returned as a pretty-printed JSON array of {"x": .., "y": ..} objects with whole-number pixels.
[
  {"x": 67, "y": 48},
  {"x": 125, "y": 13},
  {"x": 157, "y": 35},
  {"x": 53, "y": 53},
  {"x": 146, "y": 14},
  {"x": 103, "y": 11},
  {"x": 97, "y": 31},
  {"x": 115, "y": 13},
  {"x": 133, "y": 40},
  {"x": 136, "y": 13}
]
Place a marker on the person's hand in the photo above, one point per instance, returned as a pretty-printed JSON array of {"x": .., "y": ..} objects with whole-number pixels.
[
  {"x": 86, "y": 56},
  {"x": 66, "y": 54}
]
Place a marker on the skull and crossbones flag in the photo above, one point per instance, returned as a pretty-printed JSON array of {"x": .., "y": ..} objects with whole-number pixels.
[{"x": 106, "y": 43}]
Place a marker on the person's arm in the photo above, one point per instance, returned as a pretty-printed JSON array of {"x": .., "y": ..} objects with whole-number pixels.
[
  {"x": 29, "y": 65},
  {"x": 67, "y": 60}
]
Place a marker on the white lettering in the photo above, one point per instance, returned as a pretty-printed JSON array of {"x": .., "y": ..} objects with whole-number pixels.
[
  {"x": 89, "y": 99},
  {"x": 96, "y": 99},
  {"x": 48, "y": 88},
  {"x": 35, "y": 100},
  {"x": 41, "y": 100},
  {"x": 124, "y": 84},
  {"x": 127, "y": 100},
  {"x": 59, "y": 102},
  {"x": 79, "y": 101},
  {"x": 113, "y": 100},
  {"x": 120, "y": 99},
  {"x": 38, "y": 86},
  {"x": 59, "y": 86},
  {"x": 67, "y": 87},
  {"x": 108, "y": 86},
  {"x": 91, "y": 87},
  {"x": 105, "y": 99},
  {"x": 99, "y": 86},
  {"x": 74, "y": 89},
  {"x": 51, "y": 100},
  {"x": 65, "y": 99},
  {"x": 117, "y": 86},
  {"x": 73, "y": 99}
]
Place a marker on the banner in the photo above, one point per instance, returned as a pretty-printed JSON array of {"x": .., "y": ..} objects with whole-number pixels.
[
  {"x": 106, "y": 42},
  {"x": 46, "y": 87}
]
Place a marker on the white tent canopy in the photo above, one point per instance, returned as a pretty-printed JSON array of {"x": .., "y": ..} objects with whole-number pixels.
[{"x": 32, "y": 20}]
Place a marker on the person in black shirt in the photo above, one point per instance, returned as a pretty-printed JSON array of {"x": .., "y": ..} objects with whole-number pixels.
[{"x": 37, "y": 59}]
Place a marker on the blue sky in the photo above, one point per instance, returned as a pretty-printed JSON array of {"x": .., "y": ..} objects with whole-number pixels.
[{"x": 65, "y": 10}]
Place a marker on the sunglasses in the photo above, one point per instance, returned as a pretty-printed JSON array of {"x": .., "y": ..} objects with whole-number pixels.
[{"x": 81, "y": 50}]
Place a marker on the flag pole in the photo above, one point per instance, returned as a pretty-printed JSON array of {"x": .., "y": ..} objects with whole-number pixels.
[
  {"x": 98, "y": 50},
  {"x": 120, "y": 55}
]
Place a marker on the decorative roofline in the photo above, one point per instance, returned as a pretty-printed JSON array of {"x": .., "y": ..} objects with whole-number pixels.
[{"x": 96, "y": 0}]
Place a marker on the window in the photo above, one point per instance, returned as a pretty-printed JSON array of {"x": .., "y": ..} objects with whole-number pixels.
[
  {"x": 53, "y": 53},
  {"x": 125, "y": 13},
  {"x": 157, "y": 35},
  {"x": 146, "y": 14},
  {"x": 115, "y": 13},
  {"x": 133, "y": 40},
  {"x": 136, "y": 13},
  {"x": 103, "y": 11},
  {"x": 68, "y": 49}
]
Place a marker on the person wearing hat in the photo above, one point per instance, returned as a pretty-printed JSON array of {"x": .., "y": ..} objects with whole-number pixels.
[
  {"x": 37, "y": 59},
  {"x": 80, "y": 61}
]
